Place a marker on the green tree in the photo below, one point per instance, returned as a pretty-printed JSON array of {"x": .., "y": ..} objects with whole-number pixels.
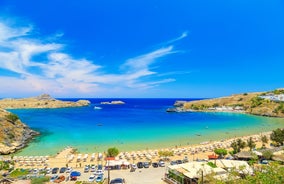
[
  {"x": 112, "y": 152},
  {"x": 264, "y": 140},
  {"x": 267, "y": 154},
  {"x": 221, "y": 152},
  {"x": 277, "y": 136},
  {"x": 250, "y": 143},
  {"x": 238, "y": 145}
]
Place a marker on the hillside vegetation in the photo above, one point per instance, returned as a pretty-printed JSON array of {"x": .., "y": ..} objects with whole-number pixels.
[
  {"x": 13, "y": 133},
  {"x": 252, "y": 103}
]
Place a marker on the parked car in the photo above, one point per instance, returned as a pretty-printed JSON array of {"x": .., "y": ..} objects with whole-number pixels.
[
  {"x": 75, "y": 173},
  {"x": 146, "y": 164},
  {"x": 73, "y": 178},
  {"x": 99, "y": 172},
  {"x": 117, "y": 181},
  {"x": 100, "y": 167},
  {"x": 179, "y": 162},
  {"x": 59, "y": 179},
  {"x": 133, "y": 167},
  {"x": 99, "y": 178},
  {"x": 69, "y": 170},
  {"x": 185, "y": 159},
  {"x": 155, "y": 164},
  {"x": 264, "y": 162},
  {"x": 62, "y": 170},
  {"x": 35, "y": 171},
  {"x": 92, "y": 178},
  {"x": 54, "y": 170},
  {"x": 173, "y": 162},
  {"x": 93, "y": 168},
  {"x": 53, "y": 178},
  {"x": 48, "y": 170},
  {"x": 140, "y": 165},
  {"x": 161, "y": 163},
  {"x": 86, "y": 169}
]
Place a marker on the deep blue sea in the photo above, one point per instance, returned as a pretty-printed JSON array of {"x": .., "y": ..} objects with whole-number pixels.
[{"x": 137, "y": 125}]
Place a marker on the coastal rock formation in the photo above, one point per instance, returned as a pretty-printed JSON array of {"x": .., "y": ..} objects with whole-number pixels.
[
  {"x": 42, "y": 101},
  {"x": 14, "y": 134},
  {"x": 252, "y": 103},
  {"x": 116, "y": 102},
  {"x": 179, "y": 103}
]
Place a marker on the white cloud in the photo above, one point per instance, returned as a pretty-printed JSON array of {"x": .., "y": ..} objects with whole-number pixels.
[
  {"x": 57, "y": 72},
  {"x": 7, "y": 32},
  {"x": 182, "y": 36}
]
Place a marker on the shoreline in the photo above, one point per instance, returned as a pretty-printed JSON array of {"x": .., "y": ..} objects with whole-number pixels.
[
  {"x": 69, "y": 157},
  {"x": 256, "y": 136}
]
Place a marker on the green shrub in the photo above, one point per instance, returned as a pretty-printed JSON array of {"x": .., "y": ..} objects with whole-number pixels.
[
  {"x": 267, "y": 154},
  {"x": 166, "y": 153},
  {"x": 211, "y": 164},
  {"x": 12, "y": 117},
  {"x": 18, "y": 173},
  {"x": 40, "y": 180},
  {"x": 256, "y": 101},
  {"x": 279, "y": 108},
  {"x": 278, "y": 91}
]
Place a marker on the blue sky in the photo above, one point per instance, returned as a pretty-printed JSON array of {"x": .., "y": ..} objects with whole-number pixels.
[{"x": 149, "y": 48}]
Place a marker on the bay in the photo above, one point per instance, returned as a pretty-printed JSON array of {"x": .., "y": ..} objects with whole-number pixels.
[{"x": 139, "y": 124}]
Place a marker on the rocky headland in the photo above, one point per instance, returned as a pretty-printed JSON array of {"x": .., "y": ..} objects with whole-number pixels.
[
  {"x": 14, "y": 134},
  {"x": 269, "y": 103},
  {"x": 42, "y": 101}
]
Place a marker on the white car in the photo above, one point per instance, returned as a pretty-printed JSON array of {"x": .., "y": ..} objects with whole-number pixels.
[
  {"x": 161, "y": 163},
  {"x": 99, "y": 172},
  {"x": 48, "y": 170},
  {"x": 92, "y": 178},
  {"x": 93, "y": 168},
  {"x": 69, "y": 170}
]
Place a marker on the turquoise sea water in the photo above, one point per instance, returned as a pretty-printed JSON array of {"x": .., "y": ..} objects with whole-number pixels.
[{"x": 137, "y": 125}]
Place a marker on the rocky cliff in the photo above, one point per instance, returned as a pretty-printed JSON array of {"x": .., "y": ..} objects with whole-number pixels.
[{"x": 14, "y": 134}]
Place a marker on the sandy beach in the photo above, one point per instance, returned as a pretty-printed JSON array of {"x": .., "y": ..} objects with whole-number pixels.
[{"x": 69, "y": 156}]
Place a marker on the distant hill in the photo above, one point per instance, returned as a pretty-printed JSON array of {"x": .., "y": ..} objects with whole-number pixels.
[{"x": 269, "y": 103}]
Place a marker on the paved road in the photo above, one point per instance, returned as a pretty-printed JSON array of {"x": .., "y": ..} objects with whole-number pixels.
[{"x": 140, "y": 176}]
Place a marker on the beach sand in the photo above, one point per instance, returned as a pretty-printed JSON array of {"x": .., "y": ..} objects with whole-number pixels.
[{"x": 69, "y": 157}]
